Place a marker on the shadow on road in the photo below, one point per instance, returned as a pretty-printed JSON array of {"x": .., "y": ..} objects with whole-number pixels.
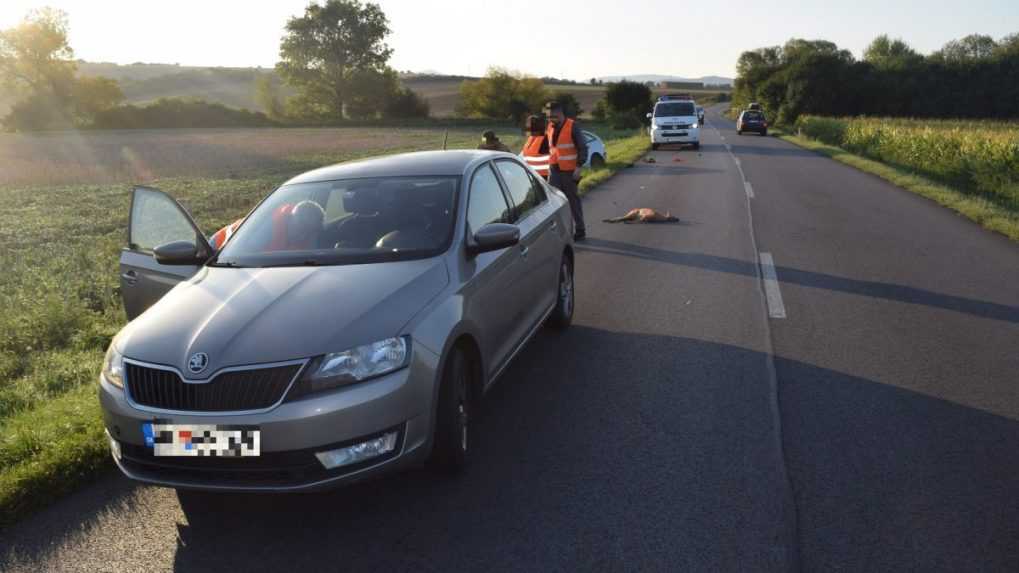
[
  {"x": 888, "y": 291},
  {"x": 606, "y": 450},
  {"x": 587, "y": 463}
]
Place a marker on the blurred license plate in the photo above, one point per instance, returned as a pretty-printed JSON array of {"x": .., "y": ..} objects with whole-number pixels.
[{"x": 202, "y": 440}]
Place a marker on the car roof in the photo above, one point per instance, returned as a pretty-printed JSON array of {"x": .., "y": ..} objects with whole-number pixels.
[{"x": 420, "y": 163}]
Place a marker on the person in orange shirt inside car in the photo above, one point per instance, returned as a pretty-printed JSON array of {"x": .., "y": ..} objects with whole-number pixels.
[{"x": 294, "y": 228}]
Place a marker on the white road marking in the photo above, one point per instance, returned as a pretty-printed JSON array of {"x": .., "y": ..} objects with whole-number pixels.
[
  {"x": 776, "y": 309},
  {"x": 728, "y": 147},
  {"x": 723, "y": 139},
  {"x": 736, "y": 159},
  {"x": 749, "y": 189}
]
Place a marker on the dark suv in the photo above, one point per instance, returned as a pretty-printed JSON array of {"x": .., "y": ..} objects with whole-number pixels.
[{"x": 752, "y": 120}]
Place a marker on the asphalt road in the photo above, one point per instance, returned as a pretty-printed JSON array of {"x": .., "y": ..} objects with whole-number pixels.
[{"x": 860, "y": 412}]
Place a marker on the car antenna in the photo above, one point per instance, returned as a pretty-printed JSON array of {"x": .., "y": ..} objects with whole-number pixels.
[{"x": 445, "y": 138}]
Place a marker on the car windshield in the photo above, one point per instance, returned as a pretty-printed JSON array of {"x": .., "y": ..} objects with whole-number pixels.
[
  {"x": 346, "y": 222},
  {"x": 674, "y": 109}
]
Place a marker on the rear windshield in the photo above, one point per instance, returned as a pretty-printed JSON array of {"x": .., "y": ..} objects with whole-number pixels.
[
  {"x": 675, "y": 109},
  {"x": 754, "y": 115},
  {"x": 347, "y": 222}
]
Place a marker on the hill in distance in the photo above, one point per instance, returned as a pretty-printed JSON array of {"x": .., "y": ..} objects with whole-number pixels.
[
  {"x": 709, "y": 80},
  {"x": 235, "y": 87}
]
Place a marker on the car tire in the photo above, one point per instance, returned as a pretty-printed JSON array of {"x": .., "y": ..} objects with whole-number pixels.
[
  {"x": 654, "y": 147},
  {"x": 562, "y": 314},
  {"x": 764, "y": 132},
  {"x": 739, "y": 132},
  {"x": 453, "y": 415},
  {"x": 597, "y": 162}
]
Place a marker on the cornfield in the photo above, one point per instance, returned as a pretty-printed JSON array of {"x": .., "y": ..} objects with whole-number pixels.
[{"x": 976, "y": 157}]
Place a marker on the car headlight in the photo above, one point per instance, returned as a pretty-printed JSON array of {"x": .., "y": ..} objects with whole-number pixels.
[
  {"x": 113, "y": 366},
  {"x": 354, "y": 365}
]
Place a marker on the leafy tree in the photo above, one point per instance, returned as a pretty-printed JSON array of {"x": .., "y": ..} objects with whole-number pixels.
[
  {"x": 972, "y": 47},
  {"x": 601, "y": 110},
  {"x": 405, "y": 103},
  {"x": 93, "y": 94},
  {"x": 372, "y": 89},
  {"x": 268, "y": 98},
  {"x": 885, "y": 53},
  {"x": 36, "y": 66},
  {"x": 628, "y": 103},
  {"x": 35, "y": 56},
  {"x": 333, "y": 55},
  {"x": 571, "y": 107},
  {"x": 502, "y": 95}
]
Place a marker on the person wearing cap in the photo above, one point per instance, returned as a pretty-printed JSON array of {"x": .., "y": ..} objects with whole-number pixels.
[
  {"x": 490, "y": 141},
  {"x": 567, "y": 150},
  {"x": 535, "y": 151}
]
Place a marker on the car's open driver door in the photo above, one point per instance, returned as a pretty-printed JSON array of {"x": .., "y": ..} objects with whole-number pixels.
[{"x": 155, "y": 219}]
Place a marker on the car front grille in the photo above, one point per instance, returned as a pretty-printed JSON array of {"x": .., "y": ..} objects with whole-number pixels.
[{"x": 237, "y": 390}]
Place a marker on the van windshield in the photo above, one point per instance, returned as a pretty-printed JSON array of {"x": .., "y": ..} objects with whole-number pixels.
[
  {"x": 346, "y": 222},
  {"x": 675, "y": 109}
]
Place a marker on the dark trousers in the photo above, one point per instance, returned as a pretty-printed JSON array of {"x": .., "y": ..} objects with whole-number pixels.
[{"x": 563, "y": 180}]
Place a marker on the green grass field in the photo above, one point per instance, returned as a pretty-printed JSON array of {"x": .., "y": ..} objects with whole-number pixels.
[{"x": 60, "y": 246}]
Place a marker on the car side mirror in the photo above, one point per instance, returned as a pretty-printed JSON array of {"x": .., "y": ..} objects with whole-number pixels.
[
  {"x": 178, "y": 253},
  {"x": 649, "y": 116},
  {"x": 492, "y": 237}
]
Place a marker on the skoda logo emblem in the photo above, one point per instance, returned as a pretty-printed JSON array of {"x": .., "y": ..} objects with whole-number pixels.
[{"x": 198, "y": 362}]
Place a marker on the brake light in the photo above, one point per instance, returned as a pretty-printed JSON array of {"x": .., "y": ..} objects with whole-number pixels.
[{"x": 765, "y": 124}]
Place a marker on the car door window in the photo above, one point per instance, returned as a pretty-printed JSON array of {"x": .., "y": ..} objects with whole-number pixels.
[
  {"x": 525, "y": 192},
  {"x": 157, "y": 219},
  {"x": 486, "y": 203}
]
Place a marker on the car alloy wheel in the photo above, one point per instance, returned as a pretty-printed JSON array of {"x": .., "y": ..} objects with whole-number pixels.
[
  {"x": 566, "y": 288},
  {"x": 562, "y": 314},
  {"x": 453, "y": 414}
]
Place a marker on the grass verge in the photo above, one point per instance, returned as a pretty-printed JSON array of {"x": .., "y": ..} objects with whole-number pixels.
[
  {"x": 988, "y": 214},
  {"x": 622, "y": 153},
  {"x": 44, "y": 457},
  {"x": 51, "y": 430}
]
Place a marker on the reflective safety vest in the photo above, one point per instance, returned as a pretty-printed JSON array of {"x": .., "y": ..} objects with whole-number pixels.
[
  {"x": 533, "y": 157},
  {"x": 563, "y": 153},
  {"x": 223, "y": 235}
]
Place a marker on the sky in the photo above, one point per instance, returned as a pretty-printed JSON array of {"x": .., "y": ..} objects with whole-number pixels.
[{"x": 576, "y": 39}]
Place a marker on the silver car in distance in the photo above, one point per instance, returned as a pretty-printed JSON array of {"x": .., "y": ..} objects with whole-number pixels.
[{"x": 347, "y": 328}]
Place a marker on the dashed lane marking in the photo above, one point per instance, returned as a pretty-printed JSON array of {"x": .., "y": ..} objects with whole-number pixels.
[{"x": 772, "y": 294}]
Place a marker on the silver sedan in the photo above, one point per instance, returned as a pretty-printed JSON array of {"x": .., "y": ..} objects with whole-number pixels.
[{"x": 348, "y": 326}]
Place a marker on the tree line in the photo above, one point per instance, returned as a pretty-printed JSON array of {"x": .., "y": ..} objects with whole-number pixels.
[
  {"x": 334, "y": 56},
  {"x": 973, "y": 77}
]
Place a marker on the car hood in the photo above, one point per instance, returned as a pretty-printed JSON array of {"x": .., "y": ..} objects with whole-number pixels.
[{"x": 258, "y": 315}]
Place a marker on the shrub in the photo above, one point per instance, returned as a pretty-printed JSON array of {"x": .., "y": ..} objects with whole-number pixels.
[
  {"x": 406, "y": 103},
  {"x": 628, "y": 104},
  {"x": 502, "y": 95},
  {"x": 571, "y": 107},
  {"x": 178, "y": 112}
]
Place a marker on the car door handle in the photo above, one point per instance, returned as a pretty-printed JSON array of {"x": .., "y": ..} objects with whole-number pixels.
[
  {"x": 130, "y": 277},
  {"x": 524, "y": 250},
  {"x": 553, "y": 225}
]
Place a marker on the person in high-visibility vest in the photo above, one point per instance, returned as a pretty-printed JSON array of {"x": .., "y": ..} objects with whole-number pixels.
[
  {"x": 567, "y": 150},
  {"x": 535, "y": 151},
  {"x": 223, "y": 235}
]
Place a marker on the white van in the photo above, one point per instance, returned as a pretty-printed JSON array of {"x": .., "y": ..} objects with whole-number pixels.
[{"x": 675, "y": 121}]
